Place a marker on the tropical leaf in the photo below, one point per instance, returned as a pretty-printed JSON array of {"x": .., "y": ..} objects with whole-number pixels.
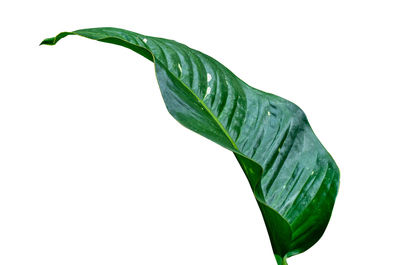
[{"x": 294, "y": 179}]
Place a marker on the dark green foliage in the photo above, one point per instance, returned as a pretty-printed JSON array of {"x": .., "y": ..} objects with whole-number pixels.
[{"x": 293, "y": 177}]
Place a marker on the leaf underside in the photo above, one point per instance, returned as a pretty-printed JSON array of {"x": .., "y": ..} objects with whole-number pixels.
[{"x": 294, "y": 179}]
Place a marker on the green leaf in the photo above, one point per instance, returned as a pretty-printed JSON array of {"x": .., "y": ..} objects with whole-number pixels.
[{"x": 294, "y": 179}]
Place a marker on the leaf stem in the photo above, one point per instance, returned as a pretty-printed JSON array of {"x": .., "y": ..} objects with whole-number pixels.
[{"x": 280, "y": 260}]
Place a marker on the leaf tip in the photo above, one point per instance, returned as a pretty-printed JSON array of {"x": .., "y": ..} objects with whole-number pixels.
[
  {"x": 54, "y": 40},
  {"x": 48, "y": 41}
]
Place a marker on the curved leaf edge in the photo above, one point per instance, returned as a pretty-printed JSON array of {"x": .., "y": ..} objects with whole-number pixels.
[
  {"x": 148, "y": 54},
  {"x": 53, "y": 41}
]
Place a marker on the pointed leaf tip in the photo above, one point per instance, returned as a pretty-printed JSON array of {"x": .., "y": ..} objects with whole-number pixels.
[
  {"x": 54, "y": 40},
  {"x": 48, "y": 41}
]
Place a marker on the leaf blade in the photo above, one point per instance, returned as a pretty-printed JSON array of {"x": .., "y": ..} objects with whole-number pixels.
[{"x": 293, "y": 177}]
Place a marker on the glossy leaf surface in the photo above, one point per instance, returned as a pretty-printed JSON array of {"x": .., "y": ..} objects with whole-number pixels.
[{"x": 294, "y": 179}]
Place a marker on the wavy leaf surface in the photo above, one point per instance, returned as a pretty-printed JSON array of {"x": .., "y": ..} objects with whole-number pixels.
[{"x": 294, "y": 179}]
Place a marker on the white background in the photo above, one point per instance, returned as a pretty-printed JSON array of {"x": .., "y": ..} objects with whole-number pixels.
[{"x": 93, "y": 169}]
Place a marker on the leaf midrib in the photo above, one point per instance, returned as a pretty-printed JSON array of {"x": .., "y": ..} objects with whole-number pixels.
[{"x": 226, "y": 133}]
